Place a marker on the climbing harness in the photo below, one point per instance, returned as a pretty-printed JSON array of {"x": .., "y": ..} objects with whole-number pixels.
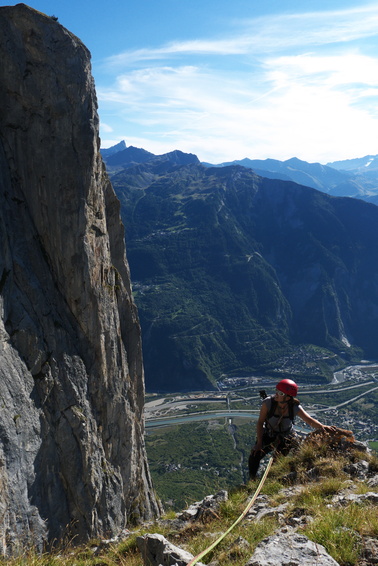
[{"x": 240, "y": 518}]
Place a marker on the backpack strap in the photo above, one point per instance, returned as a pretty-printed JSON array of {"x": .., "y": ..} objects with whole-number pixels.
[
  {"x": 273, "y": 406},
  {"x": 291, "y": 412},
  {"x": 272, "y": 410}
]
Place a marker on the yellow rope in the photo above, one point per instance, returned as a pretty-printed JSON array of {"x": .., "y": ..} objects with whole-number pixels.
[{"x": 250, "y": 503}]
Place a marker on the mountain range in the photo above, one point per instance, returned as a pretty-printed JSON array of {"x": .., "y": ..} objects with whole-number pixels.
[
  {"x": 235, "y": 273},
  {"x": 356, "y": 178}
]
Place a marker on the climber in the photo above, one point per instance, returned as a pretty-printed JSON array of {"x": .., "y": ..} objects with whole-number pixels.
[{"x": 275, "y": 430}]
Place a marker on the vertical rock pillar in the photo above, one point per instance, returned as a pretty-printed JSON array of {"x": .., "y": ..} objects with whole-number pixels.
[{"x": 72, "y": 454}]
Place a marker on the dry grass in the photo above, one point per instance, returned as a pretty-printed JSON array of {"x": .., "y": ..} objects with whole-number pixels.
[{"x": 341, "y": 530}]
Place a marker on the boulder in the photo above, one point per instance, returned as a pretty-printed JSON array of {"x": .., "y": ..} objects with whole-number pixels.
[
  {"x": 370, "y": 550},
  {"x": 207, "y": 508},
  {"x": 156, "y": 550},
  {"x": 358, "y": 469},
  {"x": 373, "y": 481},
  {"x": 357, "y": 498},
  {"x": 290, "y": 548}
]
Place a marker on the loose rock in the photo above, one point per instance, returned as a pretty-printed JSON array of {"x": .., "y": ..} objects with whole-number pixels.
[
  {"x": 290, "y": 549},
  {"x": 156, "y": 550}
]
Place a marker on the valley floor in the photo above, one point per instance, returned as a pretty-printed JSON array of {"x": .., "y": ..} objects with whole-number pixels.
[{"x": 342, "y": 402}]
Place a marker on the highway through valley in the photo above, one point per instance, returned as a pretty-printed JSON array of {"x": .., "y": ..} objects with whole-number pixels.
[{"x": 161, "y": 412}]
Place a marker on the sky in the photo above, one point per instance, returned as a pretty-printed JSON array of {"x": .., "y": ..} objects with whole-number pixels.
[{"x": 228, "y": 79}]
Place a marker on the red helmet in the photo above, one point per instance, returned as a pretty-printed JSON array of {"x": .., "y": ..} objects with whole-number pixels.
[{"x": 287, "y": 386}]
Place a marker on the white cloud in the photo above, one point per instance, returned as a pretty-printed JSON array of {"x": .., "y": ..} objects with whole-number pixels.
[
  {"x": 267, "y": 34},
  {"x": 332, "y": 70},
  {"x": 106, "y": 128},
  {"x": 314, "y": 28},
  {"x": 315, "y": 104},
  {"x": 200, "y": 47}
]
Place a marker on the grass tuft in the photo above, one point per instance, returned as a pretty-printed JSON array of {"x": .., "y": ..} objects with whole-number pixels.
[{"x": 340, "y": 529}]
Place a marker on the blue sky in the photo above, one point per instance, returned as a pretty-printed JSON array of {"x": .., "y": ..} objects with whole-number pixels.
[{"x": 232, "y": 79}]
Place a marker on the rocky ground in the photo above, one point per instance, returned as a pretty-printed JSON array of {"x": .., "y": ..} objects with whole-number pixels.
[{"x": 287, "y": 545}]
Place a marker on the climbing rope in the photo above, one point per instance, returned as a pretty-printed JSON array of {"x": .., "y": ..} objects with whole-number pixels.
[{"x": 240, "y": 518}]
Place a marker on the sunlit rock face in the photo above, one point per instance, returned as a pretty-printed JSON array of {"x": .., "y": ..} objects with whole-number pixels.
[{"x": 72, "y": 455}]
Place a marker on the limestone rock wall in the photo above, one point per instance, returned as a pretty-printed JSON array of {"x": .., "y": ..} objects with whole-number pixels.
[{"x": 72, "y": 455}]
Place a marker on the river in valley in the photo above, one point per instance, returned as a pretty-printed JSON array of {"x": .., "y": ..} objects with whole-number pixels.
[{"x": 357, "y": 373}]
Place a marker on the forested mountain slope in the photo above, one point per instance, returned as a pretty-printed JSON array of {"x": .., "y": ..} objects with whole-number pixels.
[{"x": 232, "y": 271}]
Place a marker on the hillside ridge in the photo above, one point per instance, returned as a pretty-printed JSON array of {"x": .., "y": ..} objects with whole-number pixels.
[
  {"x": 233, "y": 272},
  {"x": 357, "y": 178}
]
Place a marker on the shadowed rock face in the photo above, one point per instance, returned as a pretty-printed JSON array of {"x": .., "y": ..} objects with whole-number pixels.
[{"x": 72, "y": 456}]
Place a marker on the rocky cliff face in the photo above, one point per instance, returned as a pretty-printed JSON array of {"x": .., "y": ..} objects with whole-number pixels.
[{"x": 72, "y": 456}]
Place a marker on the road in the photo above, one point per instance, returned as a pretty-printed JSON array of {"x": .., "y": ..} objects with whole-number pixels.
[
  {"x": 205, "y": 416},
  {"x": 157, "y": 411},
  {"x": 348, "y": 402}
]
